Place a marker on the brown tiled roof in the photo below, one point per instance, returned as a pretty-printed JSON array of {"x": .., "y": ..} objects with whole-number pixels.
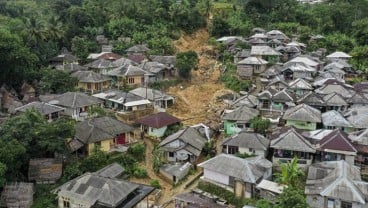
[
  {"x": 158, "y": 120},
  {"x": 45, "y": 169}
]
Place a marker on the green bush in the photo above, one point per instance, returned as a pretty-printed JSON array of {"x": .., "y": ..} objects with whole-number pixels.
[
  {"x": 137, "y": 151},
  {"x": 154, "y": 183},
  {"x": 140, "y": 172}
]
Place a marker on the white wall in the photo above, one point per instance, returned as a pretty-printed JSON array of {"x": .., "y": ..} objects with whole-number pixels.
[{"x": 217, "y": 177}]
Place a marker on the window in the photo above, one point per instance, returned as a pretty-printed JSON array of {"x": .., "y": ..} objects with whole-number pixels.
[
  {"x": 345, "y": 204},
  {"x": 252, "y": 150},
  {"x": 257, "y": 67},
  {"x": 171, "y": 154},
  {"x": 66, "y": 202},
  {"x": 330, "y": 203},
  {"x": 131, "y": 80},
  {"x": 89, "y": 86}
]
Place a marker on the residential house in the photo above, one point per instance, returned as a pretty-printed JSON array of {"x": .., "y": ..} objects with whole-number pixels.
[
  {"x": 198, "y": 198},
  {"x": 137, "y": 49},
  {"x": 128, "y": 75},
  {"x": 49, "y": 111},
  {"x": 288, "y": 143},
  {"x": 123, "y": 101},
  {"x": 123, "y": 61},
  {"x": 175, "y": 172},
  {"x": 137, "y": 58},
  {"x": 278, "y": 83},
  {"x": 335, "y": 120},
  {"x": 155, "y": 125},
  {"x": 265, "y": 52},
  {"x": 270, "y": 190},
  {"x": 184, "y": 145},
  {"x": 169, "y": 61},
  {"x": 344, "y": 90},
  {"x": 335, "y": 184},
  {"x": 101, "y": 66},
  {"x": 236, "y": 174},
  {"x": 70, "y": 68},
  {"x": 106, "y": 55},
  {"x": 338, "y": 55},
  {"x": 45, "y": 170},
  {"x": 306, "y": 61},
  {"x": 65, "y": 57},
  {"x": 105, "y": 133},
  {"x": 358, "y": 99},
  {"x": 248, "y": 100},
  {"x": 265, "y": 99},
  {"x": 274, "y": 43},
  {"x": 158, "y": 70},
  {"x": 335, "y": 101},
  {"x": 246, "y": 142},
  {"x": 336, "y": 146},
  {"x": 358, "y": 117},
  {"x": 95, "y": 190},
  {"x": 277, "y": 34},
  {"x": 238, "y": 119},
  {"x": 289, "y": 52},
  {"x": 76, "y": 104},
  {"x": 28, "y": 93},
  {"x": 300, "y": 87},
  {"x": 360, "y": 142},
  {"x": 282, "y": 100},
  {"x": 157, "y": 97},
  {"x": 312, "y": 99},
  {"x": 295, "y": 70},
  {"x": 91, "y": 82},
  {"x": 271, "y": 72},
  {"x": 302, "y": 116},
  {"x": 240, "y": 55},
  {"x": 17, "y": 194},
  {"x": 250, "y": 66}
]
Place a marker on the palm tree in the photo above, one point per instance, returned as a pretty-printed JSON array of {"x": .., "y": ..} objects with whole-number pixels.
[
  {"x": 290, "y": 173},
  {"x": 35, "y": 29},
  {"x": 54, "y": 29}
]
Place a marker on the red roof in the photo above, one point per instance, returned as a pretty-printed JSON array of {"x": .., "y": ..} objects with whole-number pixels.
[
  {"x": 110, "y": 56},
  {"x": 337, "y": 140},
  {"x": 158, "y": 120},
  {"x": 137, "y": 58}
]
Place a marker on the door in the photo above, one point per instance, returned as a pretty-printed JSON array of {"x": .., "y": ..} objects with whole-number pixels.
[{"x": 120, "y": 139}]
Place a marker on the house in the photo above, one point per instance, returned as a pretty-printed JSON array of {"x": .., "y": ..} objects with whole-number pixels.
[
  {"x": 17, "y": 194},
  {"x": 250, "y": 66},
  {"x": 334, "y": 120},
  {"x": 184, "y": 145},
  {"x": 288, "y": 143},
  {"x": 91, "y": 82},
  {"x": 236, "y": 174},
  {"x": 335, "y": 101},
  {"x": 45, "y": 170},
  {"x": 312, "y": 99},
  {"x": 156, "y": 124},
  {"x": 270, "y": 190},
  {"x": 295, "y": 70},
  {"x": 300, "y": 87},
  {"x": 246, "y": 142},
  {"x": 128, "y": 75},
  {"x": 237, "y": 119},
  {"x": 289, "y": 51},
  {"x": 137, "y": 49},
  {"x": 242, "y": 54},
  {"x": 306, "y": 61},
  {"x": 123, "y": 101},
  {"x": 282, "y": 100},
  {"x": 271, "y": 72},
  {"x": 198, "y": 198},
  {"x": 338, "y": 55},
  {"x": 248, "y": 100},
  {"x": 265, "y": 52},
  {"x": 302, "y": 116},
  {"x": 76, "y": 104},
  {"x": 157, "y": 97},
  {"x": 123, "y": 61},
  {"x": 344, "y": 90},
  {"x": 158, "y": 70},
  {"x": 277, "y": 34},
  {"x": 360, "y": 142},
  {"x": 49, "y": 111},
  {"x": 358, "y": 99},
  {"x": 105, "y": 133},
  {"x": 277, "y": 83},
  {"x": 70, "y": 68},
  {"x": 358, "y": 117},
  {"x": 335, "y": 184},
  {"x": 65, "y": 57},
  {"x": 100, "y": 66},
  {"x": 169, "y": 61},
  {"x": 175, "y": 172},
  {"x": 28, "y": 93},
  {"x": 113, "y": 170},
  {"x": 336, "y": 146},
  {"x": 106, "y": 55},
  {"x": 94, "y": 190}
]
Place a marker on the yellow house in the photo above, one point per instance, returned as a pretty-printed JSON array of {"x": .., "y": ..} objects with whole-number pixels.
[
  {"x": 105, "y": 133},
  {"x": 128, "y": 75},
  {"x": 91, "y": 82}
]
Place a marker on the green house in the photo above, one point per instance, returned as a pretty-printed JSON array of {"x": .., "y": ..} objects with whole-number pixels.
[
  {"x": 303, "y": 117},
  {"x": 238, "y": 119}
]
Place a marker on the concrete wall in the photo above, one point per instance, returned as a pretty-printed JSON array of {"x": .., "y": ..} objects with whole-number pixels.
[
  {"x": 317, "y": 201},
  {"x": 302, "y": 125},
  {"x": 217, "y": 177},
  {"x": 105, "y": 146},
  {"x": 157, "y": 132},
  {"x": 256, "y": 152}
]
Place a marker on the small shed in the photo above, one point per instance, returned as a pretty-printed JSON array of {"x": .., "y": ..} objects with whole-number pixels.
[
  {"x": 175, "y": 172},
  {"x": 269, "y": 190},
  {"x": 45, "y": 170}
]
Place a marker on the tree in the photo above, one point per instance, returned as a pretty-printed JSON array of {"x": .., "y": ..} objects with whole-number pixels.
[
  {"x": 292, "y": 197},
  {"x": 81, "y": 47},
  {"x": 291, "y": 174},
  {"x": 157, "y": 158},
  {"x": 185, "y": 62},
  {"x": 137, "y": 151},
  {"x": 359, "y": 30},
  {"x": 360, "y": 57},
  {"x": 260, "y": 125},
  {"x": 56, "y": 81}
]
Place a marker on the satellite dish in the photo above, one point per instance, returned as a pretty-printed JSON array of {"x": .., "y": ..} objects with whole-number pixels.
[{"x": 182, "y": 156}]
